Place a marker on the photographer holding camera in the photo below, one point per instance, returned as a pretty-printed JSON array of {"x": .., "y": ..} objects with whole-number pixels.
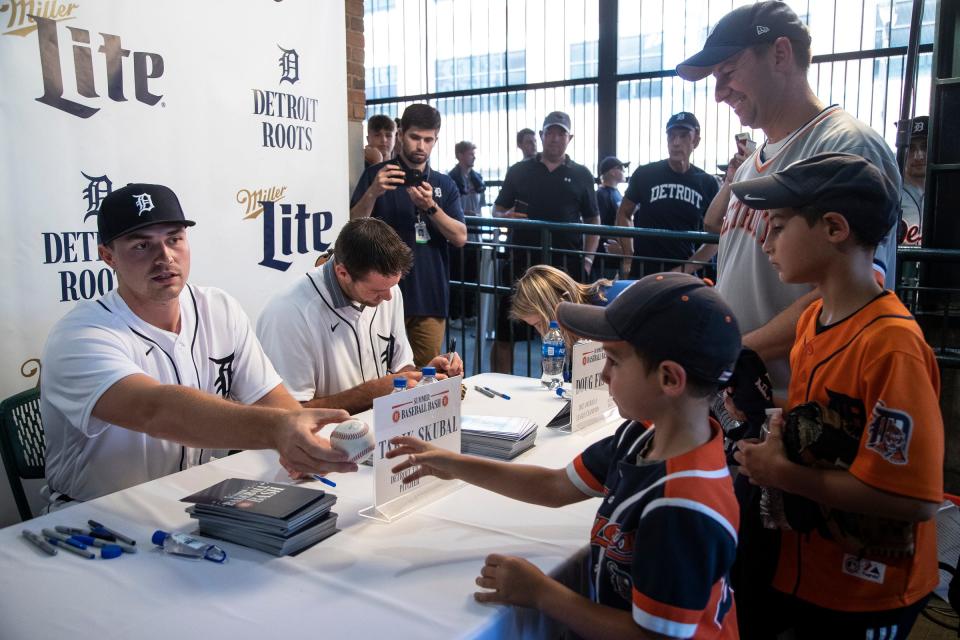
[{"x": 423, "y": 207}]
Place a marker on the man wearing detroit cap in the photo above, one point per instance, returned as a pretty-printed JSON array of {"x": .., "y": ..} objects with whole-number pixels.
[
  {"x": 552, "y": 187},
  {"x": 759, "y": 55},
  {"x": 153, "y": 377},
  {"x": 668, "y": 194}
]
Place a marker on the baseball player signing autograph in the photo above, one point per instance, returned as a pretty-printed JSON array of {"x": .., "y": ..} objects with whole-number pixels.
[{"x": 159, "y": 375}]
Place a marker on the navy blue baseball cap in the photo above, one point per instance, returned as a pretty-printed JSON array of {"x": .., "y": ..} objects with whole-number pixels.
[
  {"x": 684, "y": 120},
  {"x": 675, "y": 315},
  {"x": 609, "y": 163},
  {"x": 136, "y": 206},
  {"x": 742, "y": 28}
]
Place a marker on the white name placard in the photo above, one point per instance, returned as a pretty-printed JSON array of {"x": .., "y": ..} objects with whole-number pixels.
[
  {"x": 591, "y": 400},
  {"x": 431, "y": 413}
]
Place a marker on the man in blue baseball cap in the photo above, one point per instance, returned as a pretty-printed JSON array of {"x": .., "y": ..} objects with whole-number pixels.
[{"x": 670, "y": 194}]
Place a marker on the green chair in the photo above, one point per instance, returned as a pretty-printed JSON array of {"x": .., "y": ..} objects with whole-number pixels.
[{"x": 21, "y": 444}]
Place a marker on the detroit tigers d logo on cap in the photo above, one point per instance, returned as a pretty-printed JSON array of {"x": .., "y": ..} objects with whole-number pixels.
[{"x": 144, "y": 203}]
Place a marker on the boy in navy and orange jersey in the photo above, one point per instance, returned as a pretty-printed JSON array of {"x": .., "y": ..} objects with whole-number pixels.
[
  {"x": 665, "y": 534},
  {"x": 863, "y": 441}
]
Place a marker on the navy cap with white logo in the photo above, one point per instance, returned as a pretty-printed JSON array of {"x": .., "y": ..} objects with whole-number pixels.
[
  {"x": 609, "y": 163},
  {"x": 136, "y": 206},
  {"x": 742, "y": 28},
  {"x": 684, "y": 120},
  {"x": 675, "y": 315}
]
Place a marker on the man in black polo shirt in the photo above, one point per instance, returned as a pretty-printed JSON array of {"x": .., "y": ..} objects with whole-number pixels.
[
  {"x": 423, "y": 207},
  {"x": 670, "y": 194},
  {"x": 552, "y": 187}
]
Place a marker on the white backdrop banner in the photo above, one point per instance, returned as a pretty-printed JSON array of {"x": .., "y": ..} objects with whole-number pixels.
[{"x": 239, "y": 107}]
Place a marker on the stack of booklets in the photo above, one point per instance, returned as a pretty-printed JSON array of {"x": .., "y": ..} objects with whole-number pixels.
[
  {"x": 497, "y": 437},
  {"x": 270, "y": 516}
]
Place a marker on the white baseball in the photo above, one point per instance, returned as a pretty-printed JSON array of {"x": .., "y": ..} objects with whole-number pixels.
[{"x": 354, "y": 438}]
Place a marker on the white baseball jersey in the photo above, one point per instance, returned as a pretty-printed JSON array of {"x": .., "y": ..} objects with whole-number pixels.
[
  {"x": 745, "y": 278},
  {"x": 98, "y": 344},
  {"x": 323, "y": 343}
]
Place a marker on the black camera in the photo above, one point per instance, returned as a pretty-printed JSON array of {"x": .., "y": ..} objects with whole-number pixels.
[{"x": 412, "y": 177}]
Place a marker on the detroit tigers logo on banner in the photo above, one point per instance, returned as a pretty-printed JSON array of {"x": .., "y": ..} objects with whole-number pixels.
[
  {"x": 97, "y": 189},
  {"x": 889, "y": 434},
  {"x": 82, "y": 275},
  {"x": 289, "y": 65},
  {"x": 291, "y": 115}
]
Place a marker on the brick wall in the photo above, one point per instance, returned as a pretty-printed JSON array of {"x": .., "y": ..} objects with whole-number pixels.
[{"x": 356, "y": 95}]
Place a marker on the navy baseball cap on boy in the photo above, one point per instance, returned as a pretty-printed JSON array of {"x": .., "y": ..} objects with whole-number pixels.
[
  {"x": 675, "y": 315},
  {"x": 136, "y": 206},
  {"x": 840, "y": 182},
  {"x": 684, "y": 120},
  {"x": 742, "y": 28},
  {"x": 609, "y": 163}
]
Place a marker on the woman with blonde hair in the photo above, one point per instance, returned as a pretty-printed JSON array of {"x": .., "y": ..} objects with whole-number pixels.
[{"x": 542, "y": 287}]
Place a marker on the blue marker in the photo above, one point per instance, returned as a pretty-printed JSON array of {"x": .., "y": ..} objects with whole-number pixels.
[{"x": 329, "y": 483}]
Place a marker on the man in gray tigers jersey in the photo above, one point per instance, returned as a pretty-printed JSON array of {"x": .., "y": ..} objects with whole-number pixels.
[{"x": 759, "y": 56}]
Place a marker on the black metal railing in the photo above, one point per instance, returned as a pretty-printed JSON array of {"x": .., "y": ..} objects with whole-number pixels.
[{"x": 484, "y": 271}]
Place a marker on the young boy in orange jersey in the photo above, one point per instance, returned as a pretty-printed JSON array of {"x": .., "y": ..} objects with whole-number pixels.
[
  {"x": 867, "y": 564},
  {"x": 665, "y": 533}
]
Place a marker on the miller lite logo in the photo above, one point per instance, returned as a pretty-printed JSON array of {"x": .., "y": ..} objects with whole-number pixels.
[
  {"x": 144, "y": 203},
  {"x": 146, "y": 66}
]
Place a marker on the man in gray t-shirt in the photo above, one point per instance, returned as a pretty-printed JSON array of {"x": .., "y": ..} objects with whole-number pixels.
[{"x": 759, "y": 56}]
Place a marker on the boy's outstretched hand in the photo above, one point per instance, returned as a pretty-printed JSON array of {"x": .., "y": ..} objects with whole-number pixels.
[
  {"x": 513, "y": 580},
  {"x": 431, "y": 460},
  {"x": 764, "y": 463}
]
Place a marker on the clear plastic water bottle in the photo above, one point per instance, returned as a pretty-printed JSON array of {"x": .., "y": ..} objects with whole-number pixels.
[
  {"x": 399, "y": 384},
  {"x": 429, "y": 376},
  {"x": 180, "y": 544},
  {"x": 553, "y": 357}
]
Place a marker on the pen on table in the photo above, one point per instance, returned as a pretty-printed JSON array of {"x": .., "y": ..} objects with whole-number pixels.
[
  {"x": 98, "y": 542},
  {"x": 484, "y": 391},
  {"x": 119, "y": 536},
  {"x": 99, "y": 532},
  {"x": 325, "y": 481},
  {"x": 39, "y": 542},
  {"x": 89, "y": 555},
  {"x": 497, "y": 393}
]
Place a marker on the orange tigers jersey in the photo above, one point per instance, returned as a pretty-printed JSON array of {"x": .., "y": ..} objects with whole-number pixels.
[{"x": 875, "y": 368}]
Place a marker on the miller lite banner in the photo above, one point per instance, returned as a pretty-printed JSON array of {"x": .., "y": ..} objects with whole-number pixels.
[{"x": 240, "y": 108}]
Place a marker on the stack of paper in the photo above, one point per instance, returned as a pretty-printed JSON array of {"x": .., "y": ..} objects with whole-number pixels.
[
  {"x": 277, "y": 518},
  {"x": 497, "y": 437}
]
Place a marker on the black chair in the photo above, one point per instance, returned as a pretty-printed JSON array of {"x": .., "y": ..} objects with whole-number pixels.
[{"x": 21, "y": 444}]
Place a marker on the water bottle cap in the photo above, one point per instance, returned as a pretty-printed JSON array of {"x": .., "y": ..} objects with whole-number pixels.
[
  {"x": 429, "y": 371},
  {"x": 159, "y": 536},
  {"x": 400, "y": 383},
  {"x": 554, "y": 324},
  {"x": 109, "y": 551}
]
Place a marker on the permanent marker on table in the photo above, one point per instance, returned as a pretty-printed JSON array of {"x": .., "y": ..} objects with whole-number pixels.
[
  {"x": 497, "y": 393},
  {"x": 325, "y": 481},
  {"x": 484, "y": 391},
  {"x": 89, "y": 555},
  {"x": 119, "y": 536},
  {"x": 39, "y": 542}
]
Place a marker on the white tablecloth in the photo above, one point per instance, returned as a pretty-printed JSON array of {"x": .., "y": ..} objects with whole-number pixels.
[{"x": 413, "y": 578}]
